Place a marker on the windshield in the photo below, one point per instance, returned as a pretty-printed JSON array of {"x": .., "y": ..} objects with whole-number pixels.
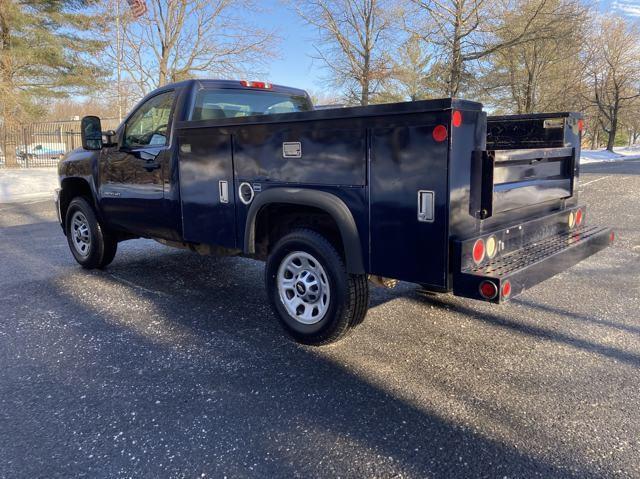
[{"x": 218, "y": 104}]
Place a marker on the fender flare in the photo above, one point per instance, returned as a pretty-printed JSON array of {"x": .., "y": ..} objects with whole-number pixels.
[{"x": 322, "y": 200}]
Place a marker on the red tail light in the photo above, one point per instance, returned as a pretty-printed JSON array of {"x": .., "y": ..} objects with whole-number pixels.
[
  {"x": 580, "y": 125},
  {"x": 478, "y": 251},
  {"x": 440, "y": 133},
  {"x": 506, "y": 289},
  {"x": 488, "y": 290},
  {"x": 457, "y": 118},
  {"x": 256, "y": 84},
  {"x": 612, "y": 237},
  {"x": 579, "y": 217}
]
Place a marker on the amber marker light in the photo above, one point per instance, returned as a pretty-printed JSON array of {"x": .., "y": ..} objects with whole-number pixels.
[{"x": 491, "y": 246}]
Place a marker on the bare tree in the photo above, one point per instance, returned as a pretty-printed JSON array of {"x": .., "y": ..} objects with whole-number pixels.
[
  {"x": 613, "y": 71},
  {"x": 631, "y": 121},
  {"x": 179, "y": 39},
  {"x": 413, "y": 71},
  {"x": 355, "y": 37},
  {"x": 543, "y": 73},
  {"x": 471, "y": 30}
]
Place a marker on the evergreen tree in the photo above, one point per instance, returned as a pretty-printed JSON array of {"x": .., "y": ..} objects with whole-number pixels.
[{"x": 45, "y": 53}]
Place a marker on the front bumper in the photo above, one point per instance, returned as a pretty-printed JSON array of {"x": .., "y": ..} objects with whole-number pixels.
[{"x": 533, "y": 263}]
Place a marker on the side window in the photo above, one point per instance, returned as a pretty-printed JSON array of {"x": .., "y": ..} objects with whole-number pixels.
[{"x": 149, "y": 125}]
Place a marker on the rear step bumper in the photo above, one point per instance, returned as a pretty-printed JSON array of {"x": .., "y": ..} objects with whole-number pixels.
[{"x": 532, "y": 264}]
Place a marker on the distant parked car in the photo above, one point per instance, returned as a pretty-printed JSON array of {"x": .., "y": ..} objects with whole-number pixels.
[{"x": 40, "y": 151}]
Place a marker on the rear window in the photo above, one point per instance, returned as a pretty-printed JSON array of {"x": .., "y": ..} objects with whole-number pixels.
[{"x": 218, "y": 104}]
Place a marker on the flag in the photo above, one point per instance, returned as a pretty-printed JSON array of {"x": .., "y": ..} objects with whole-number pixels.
[{"x": 138, "y": 7}]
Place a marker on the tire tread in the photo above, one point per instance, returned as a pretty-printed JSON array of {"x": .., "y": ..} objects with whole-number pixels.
[{"x": 357, "y": 293}]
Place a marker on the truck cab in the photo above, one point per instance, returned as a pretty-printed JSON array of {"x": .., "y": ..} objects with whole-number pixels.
[{"x": 431, "y": 192}]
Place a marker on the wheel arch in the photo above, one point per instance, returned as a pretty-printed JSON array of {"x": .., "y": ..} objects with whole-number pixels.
[
  {"x": 321, "y": 200},
  {"x": 73, "y": 187}
]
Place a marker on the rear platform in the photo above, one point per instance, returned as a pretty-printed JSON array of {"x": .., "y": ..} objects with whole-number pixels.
[{"x": 510, "y": 275}]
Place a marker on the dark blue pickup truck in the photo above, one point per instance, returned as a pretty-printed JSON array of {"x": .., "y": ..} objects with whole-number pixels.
[{"x": 431, "y": 192}]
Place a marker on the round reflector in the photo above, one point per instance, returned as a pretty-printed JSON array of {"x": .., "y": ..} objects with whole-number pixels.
[
  {"x": 578, "y": 217},
  {"x": 506, "y": 289},
  {"x": 488, "y": 290},
  {"x": 478, "y": 251},
  {"x": 457, "y": 118},
  {"x": 440, "y": 133},
  {"x": 572, "y": 220},
  {"x": 491, "y": 246}
]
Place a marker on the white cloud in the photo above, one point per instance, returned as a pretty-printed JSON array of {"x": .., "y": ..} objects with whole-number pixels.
[{"x": 631, "y": 8}]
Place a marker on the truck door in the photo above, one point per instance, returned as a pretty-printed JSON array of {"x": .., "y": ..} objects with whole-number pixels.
[{"x": 132, "y": 174}]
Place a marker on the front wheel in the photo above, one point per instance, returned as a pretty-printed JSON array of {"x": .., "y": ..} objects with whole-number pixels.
[
  {"x": 315, "y": 298},
  {"x": 91, "y": 245}
]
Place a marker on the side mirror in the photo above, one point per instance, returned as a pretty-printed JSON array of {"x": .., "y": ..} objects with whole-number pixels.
[{"x": 91, "y": 133}]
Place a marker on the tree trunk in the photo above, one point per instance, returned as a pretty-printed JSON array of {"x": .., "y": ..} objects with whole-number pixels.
[
  {"x": 612, "y": 133},
  {"x": 364, "y": 95},
  {"x": 163, "y": 66},
  {"x": 455, "y": 72}
]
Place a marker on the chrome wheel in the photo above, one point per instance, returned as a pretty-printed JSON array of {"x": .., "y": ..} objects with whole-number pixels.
[
  {"x": 80, "y": 233},
  {"x": 303, "y": 287}
]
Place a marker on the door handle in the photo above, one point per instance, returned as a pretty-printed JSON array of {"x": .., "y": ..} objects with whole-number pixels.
[{"x": 151, "y": 165}]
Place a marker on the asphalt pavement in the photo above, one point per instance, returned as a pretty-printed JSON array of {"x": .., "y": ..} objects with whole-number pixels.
[{"x": 169, "y": 364}]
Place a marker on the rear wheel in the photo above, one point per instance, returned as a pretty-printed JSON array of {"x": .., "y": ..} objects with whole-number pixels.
[
  {"x": 92, "y": 245},
  {"x": 315, "y": 298}
]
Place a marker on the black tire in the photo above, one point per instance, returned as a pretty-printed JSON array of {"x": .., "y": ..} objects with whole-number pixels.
[
  {"x": 102, "y": 245},
  {"x": 348, "y": 293}
]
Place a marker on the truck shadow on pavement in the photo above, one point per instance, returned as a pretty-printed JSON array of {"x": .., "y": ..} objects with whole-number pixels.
[
  {"x": 537, "y": 331},
  {"x": 172, "y": 364},
  {"x": 579, "y": 317}
]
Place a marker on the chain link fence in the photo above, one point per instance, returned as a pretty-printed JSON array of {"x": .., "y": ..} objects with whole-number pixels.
[{"x": 41, "y": 144}]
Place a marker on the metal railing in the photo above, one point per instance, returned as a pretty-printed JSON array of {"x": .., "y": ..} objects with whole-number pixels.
[{"x": 41, "y": 144}]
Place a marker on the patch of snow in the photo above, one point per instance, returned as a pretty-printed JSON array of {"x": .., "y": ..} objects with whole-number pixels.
[
  {"x": 20, "y": 185},
  {"x": 619, "y": 154}
]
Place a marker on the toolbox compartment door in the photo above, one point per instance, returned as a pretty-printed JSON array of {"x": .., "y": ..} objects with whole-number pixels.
[{"x": 206, "y": 187}]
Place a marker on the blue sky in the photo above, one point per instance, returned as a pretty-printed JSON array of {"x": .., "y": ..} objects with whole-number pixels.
[{"x": 295, "y": 66}]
